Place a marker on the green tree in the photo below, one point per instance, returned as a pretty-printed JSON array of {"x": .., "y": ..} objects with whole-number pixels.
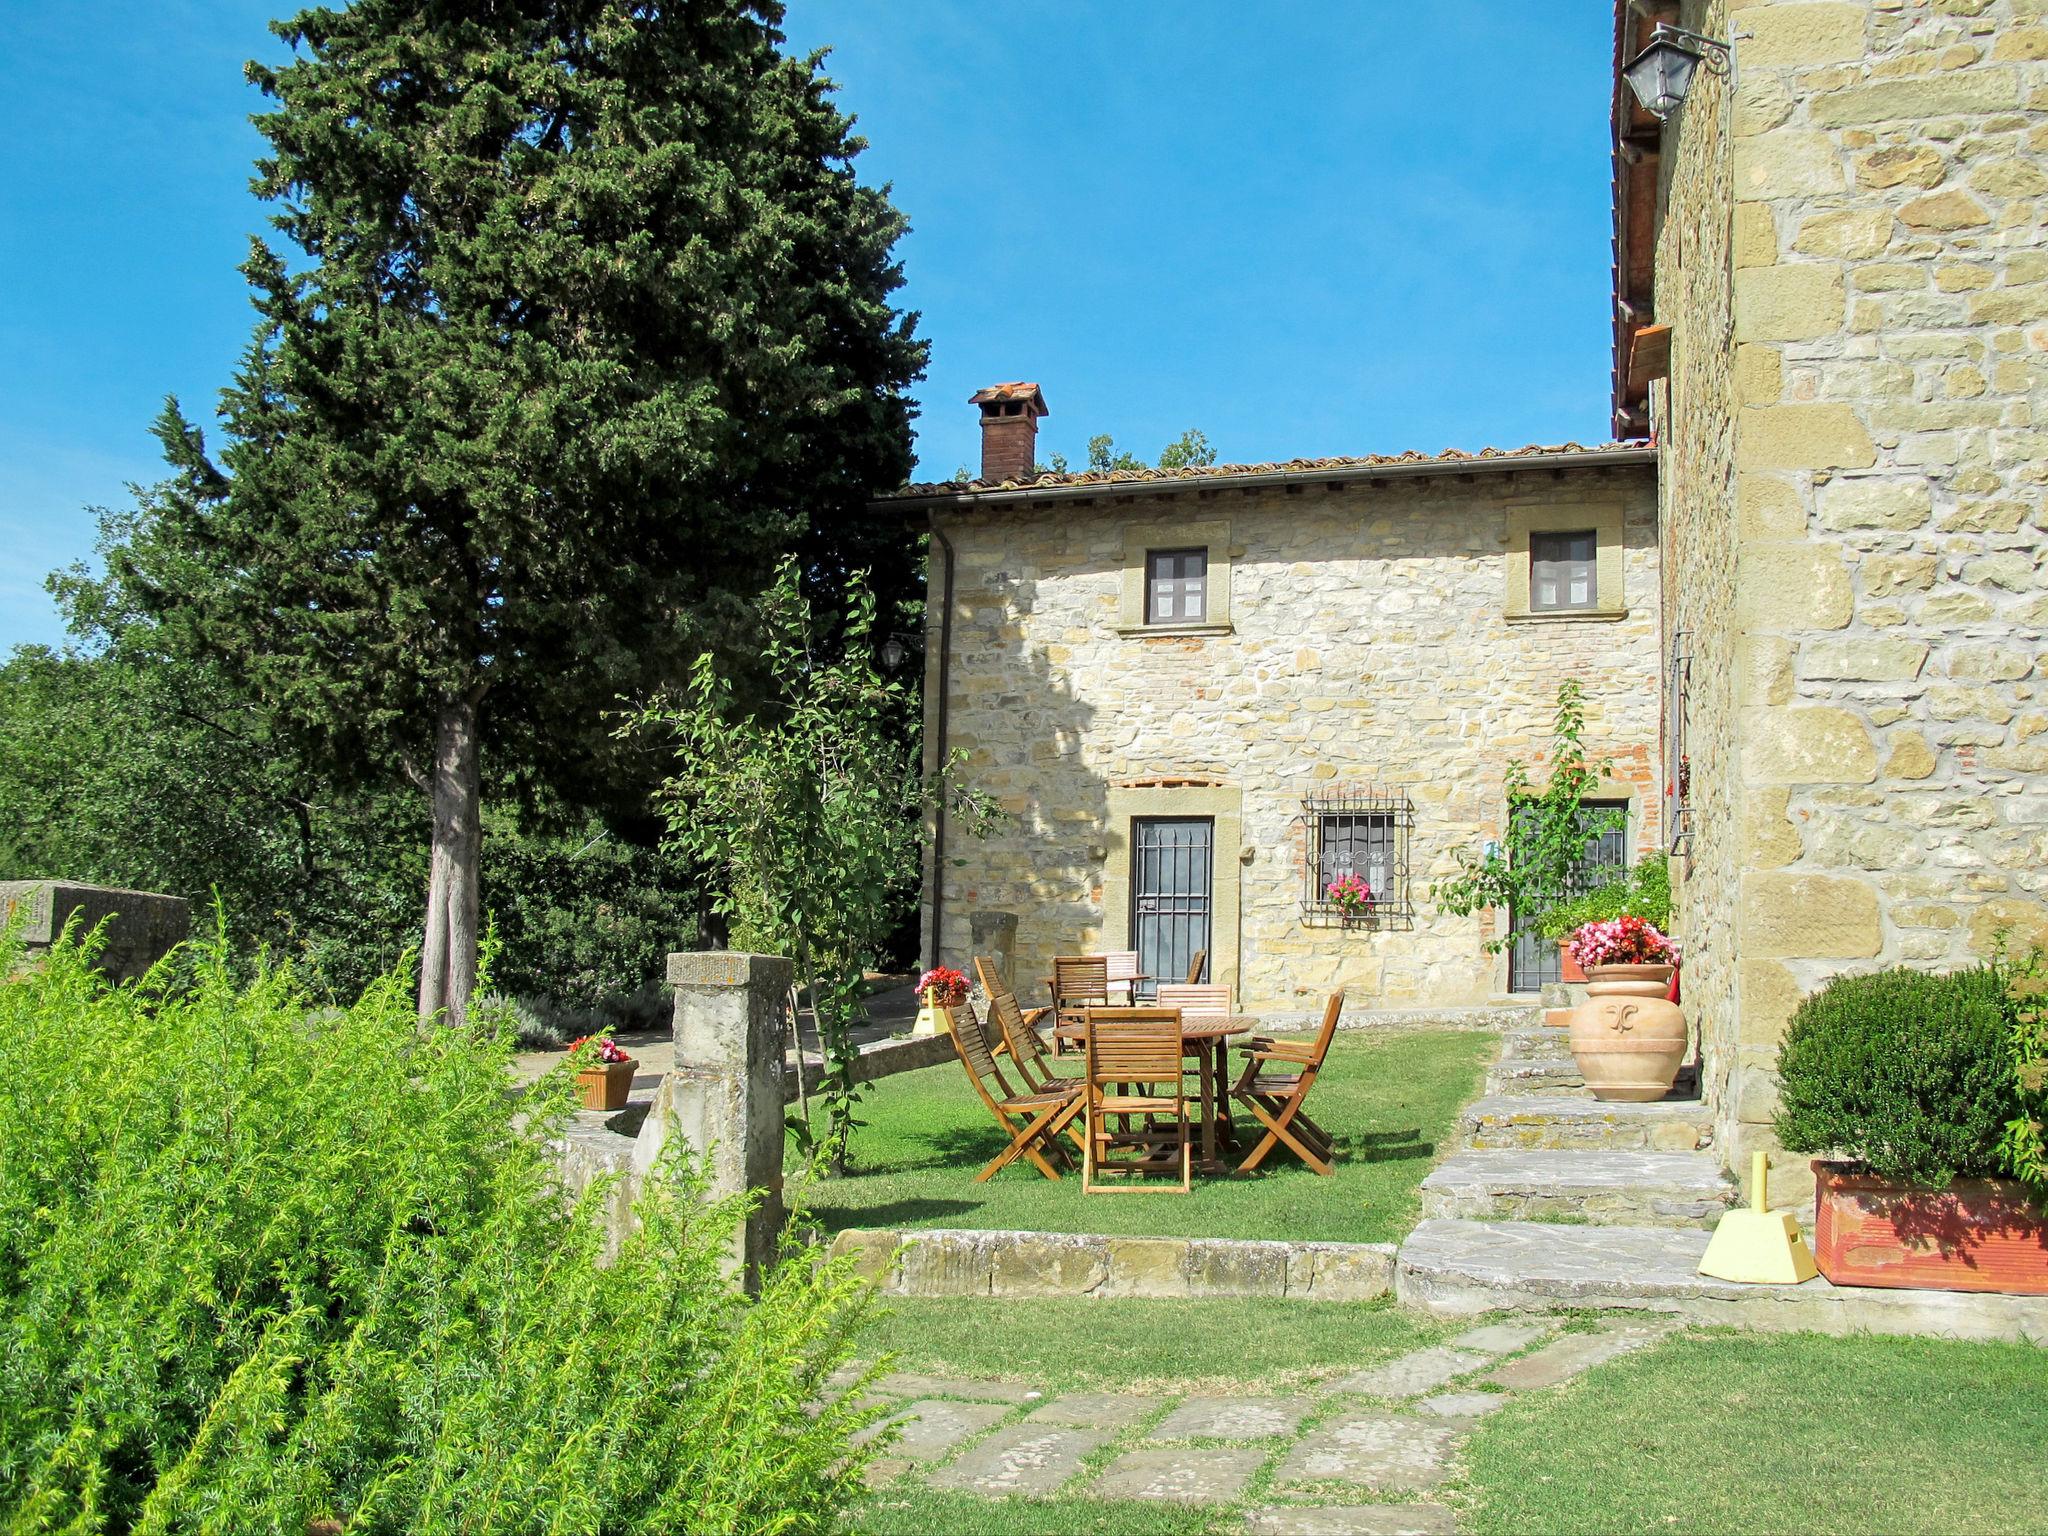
[
  {"x": 592, "y": 321},
  {"x": 1191, "y": 448},
  {"x": 810, "y": 802},
  {"x": 1536, "y": 866}
]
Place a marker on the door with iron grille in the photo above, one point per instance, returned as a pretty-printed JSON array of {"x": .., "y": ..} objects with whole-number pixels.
[
  {"x": 1533, "y": 963},
  {"x": 1172, "y": 871}
]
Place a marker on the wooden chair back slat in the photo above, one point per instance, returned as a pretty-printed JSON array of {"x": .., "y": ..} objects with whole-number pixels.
[
  {"x": 1196, "y": 965},
  {"x": 1121, "y": 966},
  {"x": 1080, "y": 980},
  {"x": 1197, "y": 1002},
  {"x": 1134, "y": 1045},
  {"x": 1332, "y": 1011},
  {"x": 974, "y": 1046}
]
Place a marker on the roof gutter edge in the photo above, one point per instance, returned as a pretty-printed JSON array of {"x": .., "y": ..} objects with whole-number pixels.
[{"x": 965, "y": 499}]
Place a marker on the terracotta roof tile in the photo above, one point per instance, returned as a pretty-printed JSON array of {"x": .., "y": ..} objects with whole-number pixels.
[{"x": 1449, "y": 459}]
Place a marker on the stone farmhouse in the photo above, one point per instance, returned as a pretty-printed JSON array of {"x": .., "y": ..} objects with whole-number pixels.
[{"x": 1803, "y": 589}]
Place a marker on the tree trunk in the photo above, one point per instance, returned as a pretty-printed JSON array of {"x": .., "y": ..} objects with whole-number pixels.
[{"x": 448, "y": 951}]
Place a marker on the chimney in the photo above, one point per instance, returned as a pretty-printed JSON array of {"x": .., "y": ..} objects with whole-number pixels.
[{"x": 1009, "y": 429}]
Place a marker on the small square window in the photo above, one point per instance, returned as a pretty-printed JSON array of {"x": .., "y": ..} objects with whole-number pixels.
[
  {"x": 1357, "y": 858},
  {"x": 1562, "y": 571},
  {"x": 1176, "y": 586}
]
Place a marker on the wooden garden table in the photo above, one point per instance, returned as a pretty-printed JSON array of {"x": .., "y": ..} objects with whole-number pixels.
[{"x": 1208, "y": 1041}]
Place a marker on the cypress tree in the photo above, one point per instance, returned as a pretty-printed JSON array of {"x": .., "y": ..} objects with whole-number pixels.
[{"x": 588, "y": 321}]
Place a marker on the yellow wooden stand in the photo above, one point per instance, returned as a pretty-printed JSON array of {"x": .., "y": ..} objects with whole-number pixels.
[
  {"x": 932, "y": 1019},
  {"x": 1759, "y": 1246}
]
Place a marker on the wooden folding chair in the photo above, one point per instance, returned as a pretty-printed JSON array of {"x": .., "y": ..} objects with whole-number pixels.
[
  {"x": 1020, "y": 1035},
  {"x": 1134, "y": 1070},
  {"x": 1195, "y": 966},
  {"x": 1196, "y": 1001},
  {"x": 1031, "y": 1120},
  {"x": 1121, "y": 966},
  {"x": 1275, "y": 1098},
  {"x": 1079, "y": 982}
]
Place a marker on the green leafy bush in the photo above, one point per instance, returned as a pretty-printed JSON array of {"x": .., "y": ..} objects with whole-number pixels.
[
  {"x": 1642, "y": 890},
  {"x": 1904, "y": 1071},
  {"x": 262, "y": 1265}
]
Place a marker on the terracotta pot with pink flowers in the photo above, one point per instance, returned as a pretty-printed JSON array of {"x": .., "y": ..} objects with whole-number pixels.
[{"x": 1628, "y": 1037}]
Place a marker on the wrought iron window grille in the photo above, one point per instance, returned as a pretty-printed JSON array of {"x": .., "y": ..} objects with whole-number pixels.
[
  {"x": 1361, "y": 832},
  {"x": 1677, "y": 764}
]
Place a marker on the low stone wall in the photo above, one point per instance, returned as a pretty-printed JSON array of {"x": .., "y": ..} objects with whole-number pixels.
[
  {"x": 878, "y": 1059},
  {"x": 960, "y": 1263},
  {"x": 142, "y": 926}
]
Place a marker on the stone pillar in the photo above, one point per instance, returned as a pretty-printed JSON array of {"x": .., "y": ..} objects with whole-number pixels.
[
  {"x": 994, "y": 935},
  {"x": 142, "y": 926},
  {"x": 724, "y": 1096}
]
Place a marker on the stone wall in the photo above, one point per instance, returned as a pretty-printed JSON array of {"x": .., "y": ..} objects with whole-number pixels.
[
  {"x": 1885, "y": 750},
  {"x": 1368, "y": 643},
  {"x": 140, "y": 927}
]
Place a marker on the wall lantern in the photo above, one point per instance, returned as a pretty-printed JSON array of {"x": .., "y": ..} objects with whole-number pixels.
[
  {"x": 1662, "y": 73},
  {"x": 894, "y": 653}
]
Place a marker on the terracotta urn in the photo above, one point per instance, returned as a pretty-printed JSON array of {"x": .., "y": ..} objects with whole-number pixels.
[{"x": 1628, "y": 1039}]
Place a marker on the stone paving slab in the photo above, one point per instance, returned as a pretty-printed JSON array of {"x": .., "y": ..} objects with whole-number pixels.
[
  {"x": 1423, "y": 1371},
  {"x": 1233, "y": 1418},
  {"x": 1112, "y": 1410},
  {"x": 1385, "y": 1451},
  {"x": 1463, "y": 1268},
  {"x": 1025, "y": 1458},
  {"x": 928, "y": 1429},
  {"x": 1211, "y": 1475},
  {"x": 909, "y": 1384},
  {"x": 1570, "y": 1356},
  {"x": 1461, "y": 1405},
  {"x": 1352, "y": 1520},
  {"x": 1504, "y": 1338}
]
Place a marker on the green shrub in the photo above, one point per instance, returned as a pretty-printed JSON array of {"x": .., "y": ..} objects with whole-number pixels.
[
  {"x": 262, "y": 1264},
  {"x": 1904, "y": 1071},
  {"x": 1642, "y": 890}
]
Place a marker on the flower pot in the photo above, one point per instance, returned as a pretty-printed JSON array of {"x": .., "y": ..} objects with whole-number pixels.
[
  {"x": 1626, "y": 1037},
  {"x": 1973, "y": 1235},
  {"x": 1569, "y": 968},
  {"x": 607, "y": 1085}
]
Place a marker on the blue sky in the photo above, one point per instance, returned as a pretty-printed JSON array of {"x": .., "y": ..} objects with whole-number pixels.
[{"x": 1304, "y": 226}]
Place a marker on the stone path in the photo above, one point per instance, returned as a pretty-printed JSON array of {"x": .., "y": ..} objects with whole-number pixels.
[{"x": 1354, "y": 1452}]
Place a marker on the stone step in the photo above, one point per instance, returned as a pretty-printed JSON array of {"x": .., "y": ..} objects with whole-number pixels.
[
  {"x": 1537, "y": 1044},
  {"x": 1541, "y": 1074},
  {"x": 1461, "y": 1269},
  {"x": 1558, "y": 1121},
  {"x": 1660, "y": 1189},
  {"x": 1534, "y": 1074}
]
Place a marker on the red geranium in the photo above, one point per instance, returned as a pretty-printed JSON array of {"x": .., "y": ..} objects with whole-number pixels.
[
  {"x": 608, "y": 1049},
  {"x": 951, "y": 985}
]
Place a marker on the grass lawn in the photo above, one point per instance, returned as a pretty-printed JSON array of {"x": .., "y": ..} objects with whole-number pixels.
[
  {"x": 1389, "y": 1101},
  {"x": 1709, "y": 1432},
  {"x": 1079, "y": 1343},
  {"x": 1769, "y": 1434}
]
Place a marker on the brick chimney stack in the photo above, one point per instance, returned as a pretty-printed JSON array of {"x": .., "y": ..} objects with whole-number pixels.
[{"x": 1009, "y": 429}]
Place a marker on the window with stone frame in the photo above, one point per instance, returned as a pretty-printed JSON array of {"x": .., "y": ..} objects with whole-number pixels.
[
  {"x": 1176, "y": 586},
  {"x": 1563, "y": 571},
  {"x": 1358, "y": 835}
]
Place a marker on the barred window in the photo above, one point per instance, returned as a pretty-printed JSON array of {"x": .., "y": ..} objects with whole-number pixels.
[{"x": 1357, "y": 864}]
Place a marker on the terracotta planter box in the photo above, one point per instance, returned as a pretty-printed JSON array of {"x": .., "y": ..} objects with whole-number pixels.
[
  {"x": 607, "y": 1085},
  {"x": 1975, "y": 1235},
  {"x": 1572, "y": 972}
]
